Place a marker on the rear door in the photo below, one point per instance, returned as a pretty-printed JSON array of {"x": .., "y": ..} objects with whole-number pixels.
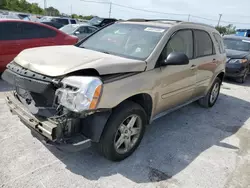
[
  {"x": 9, "y": 42},
  {"x": 206, "y": 61}
]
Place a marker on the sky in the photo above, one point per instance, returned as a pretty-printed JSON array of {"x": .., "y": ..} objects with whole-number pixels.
[{"x": 232, "y": 12}]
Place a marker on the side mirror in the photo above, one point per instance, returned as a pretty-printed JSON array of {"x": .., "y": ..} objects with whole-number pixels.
[
  {"x": 176, "y": 58},
  {"x": 77, "y": 33}
]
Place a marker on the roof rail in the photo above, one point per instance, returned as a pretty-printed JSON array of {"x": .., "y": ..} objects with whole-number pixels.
[
  {"x": 151, "y": 20},
  {"x": 202, "y": 24}
]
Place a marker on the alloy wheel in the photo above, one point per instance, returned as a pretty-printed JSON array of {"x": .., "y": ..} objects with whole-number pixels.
[{"x": 128, "y": 134}]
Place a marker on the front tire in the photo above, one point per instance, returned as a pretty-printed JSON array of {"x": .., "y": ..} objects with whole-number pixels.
[
  {"x": 244, "y": 77},
  {"x": 123, "y": 131},
  {"x": 210, "y": 99}
]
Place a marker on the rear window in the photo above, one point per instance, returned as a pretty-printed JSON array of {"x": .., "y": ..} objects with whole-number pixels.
[{"x": 219, "y": 42}]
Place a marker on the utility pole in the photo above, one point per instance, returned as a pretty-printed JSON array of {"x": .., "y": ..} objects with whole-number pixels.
[
  {"x": 71, "y": 9},
  {"x": 101, "y": 2},
  {"x": 189, "y": 17},
  {"x": 219, "y": 19},
  {"x": 45, "y": 6},
  {"x": 110, "y": 9}
]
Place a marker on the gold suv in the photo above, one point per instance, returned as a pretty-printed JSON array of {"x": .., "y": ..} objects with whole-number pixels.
[{"x": 108, "y": 87}]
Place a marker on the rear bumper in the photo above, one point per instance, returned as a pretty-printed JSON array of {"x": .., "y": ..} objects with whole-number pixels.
[{"x": 44, "y": 129}]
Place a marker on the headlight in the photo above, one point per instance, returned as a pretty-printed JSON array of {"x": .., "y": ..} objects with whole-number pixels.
[
  {"x": 79, "y": 93},
  {"x": 238, "y": 61}
]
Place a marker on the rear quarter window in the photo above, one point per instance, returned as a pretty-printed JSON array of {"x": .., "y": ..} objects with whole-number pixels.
[{"x": 219, "y": 43}]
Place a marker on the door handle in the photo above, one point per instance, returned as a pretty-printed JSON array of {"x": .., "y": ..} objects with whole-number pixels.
[
  {"x": 192, "y": 67},
  {"x": 214, "y": 61}
]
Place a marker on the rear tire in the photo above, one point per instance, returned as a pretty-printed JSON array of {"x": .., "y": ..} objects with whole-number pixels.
[
  {"x": 115, "y": 131},
  {"x": 210, "y": 99}
]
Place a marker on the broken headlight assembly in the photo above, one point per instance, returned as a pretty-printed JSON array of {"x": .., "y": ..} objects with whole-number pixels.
[{"x": 79, "y": 93}]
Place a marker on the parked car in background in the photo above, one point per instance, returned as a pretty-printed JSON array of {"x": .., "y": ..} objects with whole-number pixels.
[
  {"x": 54, "y": 24},
  {"x": 101, "y": 22},
  {"x": 6, "y": 15},
  {"x": 17, "y": 35},
  {"x": 107, "y": 88},
  {"x": 238, "y": 57},
  {"x": 64, "y": 21},
  {"x": 243, "y": 32},
  {"x": 79, "y": 30}
]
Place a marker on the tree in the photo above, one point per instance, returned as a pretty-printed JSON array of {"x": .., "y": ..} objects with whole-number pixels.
[
  {"x": 21, "y": 6},
  {"x": 226, "y": 30},
  {"x": 74, "y": 16},
  {"x": 51, "y": 11},
  {"x": 87, "y": 17}
]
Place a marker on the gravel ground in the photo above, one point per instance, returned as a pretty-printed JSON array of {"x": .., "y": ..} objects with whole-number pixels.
[{"x": 192, "y": 147}]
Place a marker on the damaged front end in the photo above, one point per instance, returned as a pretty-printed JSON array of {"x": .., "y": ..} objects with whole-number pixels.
[{"x": 61, "y": 111}]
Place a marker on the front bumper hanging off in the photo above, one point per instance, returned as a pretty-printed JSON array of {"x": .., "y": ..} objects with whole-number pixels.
[{"x": 44, "y": 129}]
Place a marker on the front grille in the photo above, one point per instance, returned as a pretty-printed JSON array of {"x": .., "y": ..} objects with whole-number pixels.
[{"x": 37, "y": 87}]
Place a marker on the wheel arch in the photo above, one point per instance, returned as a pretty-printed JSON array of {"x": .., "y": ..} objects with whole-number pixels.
[
  {"x": 145, "y": 101},
  {"x": 221, "y": 76}
]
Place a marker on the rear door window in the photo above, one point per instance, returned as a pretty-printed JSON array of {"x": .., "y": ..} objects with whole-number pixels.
[
  {"x": 33, "y": 31},
  {"x": 203, "y": 43}
]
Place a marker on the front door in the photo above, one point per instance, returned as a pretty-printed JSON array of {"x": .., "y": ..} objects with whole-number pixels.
[{"x": 177, "y": 82}]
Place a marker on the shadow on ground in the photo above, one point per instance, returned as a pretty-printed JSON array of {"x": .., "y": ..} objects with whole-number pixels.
[
  {"x": 170, "y": 144},
  {"x": 236, "y": 82}
]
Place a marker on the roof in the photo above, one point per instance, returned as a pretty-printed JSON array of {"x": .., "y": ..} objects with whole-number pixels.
[
  {"x": 80, "y": 24},
  {"x": 236, "y": 37}
]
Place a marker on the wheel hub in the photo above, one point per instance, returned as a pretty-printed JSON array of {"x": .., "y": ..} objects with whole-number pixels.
[{"x": 127, "y": 134}]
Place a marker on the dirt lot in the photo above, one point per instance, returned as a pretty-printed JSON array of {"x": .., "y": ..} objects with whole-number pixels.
[{"x": 192, "y": 147}]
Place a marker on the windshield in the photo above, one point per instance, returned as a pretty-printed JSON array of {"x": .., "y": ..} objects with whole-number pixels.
[
  {"x": 69, "y": 28},
  {"x": 237, "y": 44},
  {"x": 127, "y": 40},
  {"x": 95, "y": 21}
]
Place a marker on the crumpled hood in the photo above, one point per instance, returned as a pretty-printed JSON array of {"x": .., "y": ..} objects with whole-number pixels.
[
  {"x": 235, "y": 54},
  {"x": 60, "y": 60}
]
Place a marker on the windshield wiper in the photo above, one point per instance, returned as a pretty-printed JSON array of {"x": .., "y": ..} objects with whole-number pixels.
[{"x": 104, "y": 52}]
